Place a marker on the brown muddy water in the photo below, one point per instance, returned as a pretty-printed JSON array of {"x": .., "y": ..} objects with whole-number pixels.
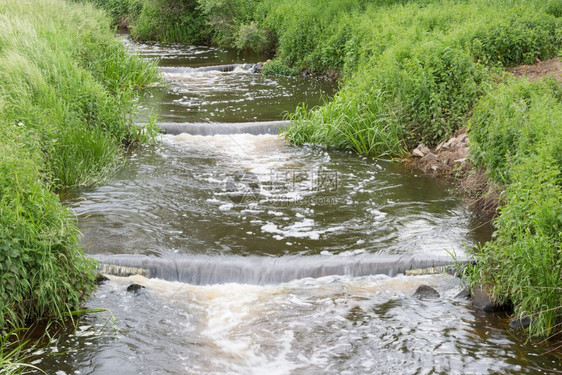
[{"x": 269, "y": 258}]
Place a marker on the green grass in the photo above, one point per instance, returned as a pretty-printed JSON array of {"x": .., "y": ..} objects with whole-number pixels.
[
  {"x": 418, "y": 78},
  {"x": 166, "y": 21},
  {"x": 67, "y": 93},
  {"x": 13, "y": 355},
  {"x": 516, "y": 132}
]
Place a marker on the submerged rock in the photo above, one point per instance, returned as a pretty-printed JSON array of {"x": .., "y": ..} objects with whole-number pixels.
[
  {"x": 482, "y": 300},
  {"x": 135, "y": 288},
  {"x": 463, "y": 294},
  {"x": 100, "y": 278},
  {"x": 520, "y": 323},
  {"x": 426, "y": 292}
]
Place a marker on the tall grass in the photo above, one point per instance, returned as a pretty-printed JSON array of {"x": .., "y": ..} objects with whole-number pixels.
[
  {"x": 418, "y": 69},
  {"x": 167, "y": 21},
  {"x": 67, "y": 92},
  {"x": 13, "y": 355},
  {"x": 517, "y": 133}
]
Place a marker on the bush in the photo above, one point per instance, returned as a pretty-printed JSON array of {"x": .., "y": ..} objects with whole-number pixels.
[
  {"x": 516, "y": 134},
  {"x": 278, "y": 67},
  {"x": 250, "y": 37},
  {"x": 512, "y": 121},
  {"x": 67, "y": 92},
  {"x": 43, "y": 271},
  {"x": 420, "y": 76}
]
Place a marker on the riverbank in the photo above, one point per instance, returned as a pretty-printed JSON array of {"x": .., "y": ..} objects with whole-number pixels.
[{"x": 67, "y": 90}]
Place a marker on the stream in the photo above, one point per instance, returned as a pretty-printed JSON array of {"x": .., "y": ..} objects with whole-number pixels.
[{"x": 262, "y": 257}]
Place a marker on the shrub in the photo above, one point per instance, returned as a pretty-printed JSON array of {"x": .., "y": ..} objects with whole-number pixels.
[
  {"x": 420, "y": 74},
  {"x": 278, "y": 67},
  {"x": 511, "y": 122},
  {"x": 67, "y": 92},
  {"x": 516, "y": 134},
  {"x": 250, "y": 37}
]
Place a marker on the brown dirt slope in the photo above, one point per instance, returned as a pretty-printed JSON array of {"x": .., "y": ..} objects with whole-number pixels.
[{"x": 551, "y": 67}]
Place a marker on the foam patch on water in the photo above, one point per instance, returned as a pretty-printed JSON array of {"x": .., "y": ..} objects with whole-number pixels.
[
  {"x": 299, "y": 229},
  {"x": 253, "y": 329},
  {"x": 261, "y": 148}
]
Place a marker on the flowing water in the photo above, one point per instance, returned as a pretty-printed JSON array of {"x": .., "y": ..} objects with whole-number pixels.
[{"x": 259, "y": 257}]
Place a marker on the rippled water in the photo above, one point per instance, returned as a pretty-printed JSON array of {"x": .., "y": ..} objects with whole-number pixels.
[
  {"x": 175, "y": 199},
  {"x": 215, "y": 96},
  {"x": 286, "y": 251},
  {"x": 332, "y": 325}
]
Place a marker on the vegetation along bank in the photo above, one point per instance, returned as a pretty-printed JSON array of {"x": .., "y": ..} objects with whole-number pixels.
[{"x": 67, "y": 88}]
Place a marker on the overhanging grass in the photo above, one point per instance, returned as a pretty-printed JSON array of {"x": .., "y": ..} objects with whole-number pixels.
[{"x": 67, "y": 92}]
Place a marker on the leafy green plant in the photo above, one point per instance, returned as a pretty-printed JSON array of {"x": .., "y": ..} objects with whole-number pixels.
[
  {"x": 516, "y": 134},
  {"x": 278, "y": 67},
  {"x": 251, "y": 37},
  {"x": 67, "y": 92}
]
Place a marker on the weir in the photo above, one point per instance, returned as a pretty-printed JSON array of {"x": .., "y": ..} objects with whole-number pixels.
[
  {"x": 214, "y": 128},
  {"x": 211, "y": 68},
  {"x": 209, "y": 270}
]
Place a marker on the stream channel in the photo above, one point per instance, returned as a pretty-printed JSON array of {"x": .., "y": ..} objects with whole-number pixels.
[{"x": 265, "y": 258}]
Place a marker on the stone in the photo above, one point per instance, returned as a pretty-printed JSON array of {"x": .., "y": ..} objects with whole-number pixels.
[
  {"x": 423, "y": 148},
  {"x": 463, "y": 151},
  {"x": 429, "y": 157},
  {"x": 135, "y": 288},
  {"x": 417, "y": 153},
  {"x": 439, "y": 146},
  {"x": 482, "y": 300},
  {"x": 449, "y": 144},
  {"x": 100, "y": 278},
  {"x": 426, "y": 292},
  {"x": 521, "y": 323},
  {"x": 462, "y": 138},
  {"x": 461, "y": 160},
  {"x": 463, "y": 294}
]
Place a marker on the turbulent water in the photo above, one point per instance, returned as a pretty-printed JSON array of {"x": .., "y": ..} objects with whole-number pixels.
[{"x": 268, "y": 258}]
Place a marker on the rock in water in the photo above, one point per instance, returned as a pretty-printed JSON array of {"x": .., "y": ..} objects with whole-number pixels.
[
  {"x": 463, "y": 294},
  {"x": 135, "y": 288},
  {"x": 426, "y": 292},
  {"x": 520, "y": 323},
  {"x": 100, "y": 278},
  {"x": 482, "y": 300}
]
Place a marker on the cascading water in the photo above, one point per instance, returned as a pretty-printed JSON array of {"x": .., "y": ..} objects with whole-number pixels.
[{"x": 259, "y": 257}]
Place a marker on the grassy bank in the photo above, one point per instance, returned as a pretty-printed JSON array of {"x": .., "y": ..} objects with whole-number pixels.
[
  {"x": 516, "y": 132},
  {"x": 67, "y": 88}
]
